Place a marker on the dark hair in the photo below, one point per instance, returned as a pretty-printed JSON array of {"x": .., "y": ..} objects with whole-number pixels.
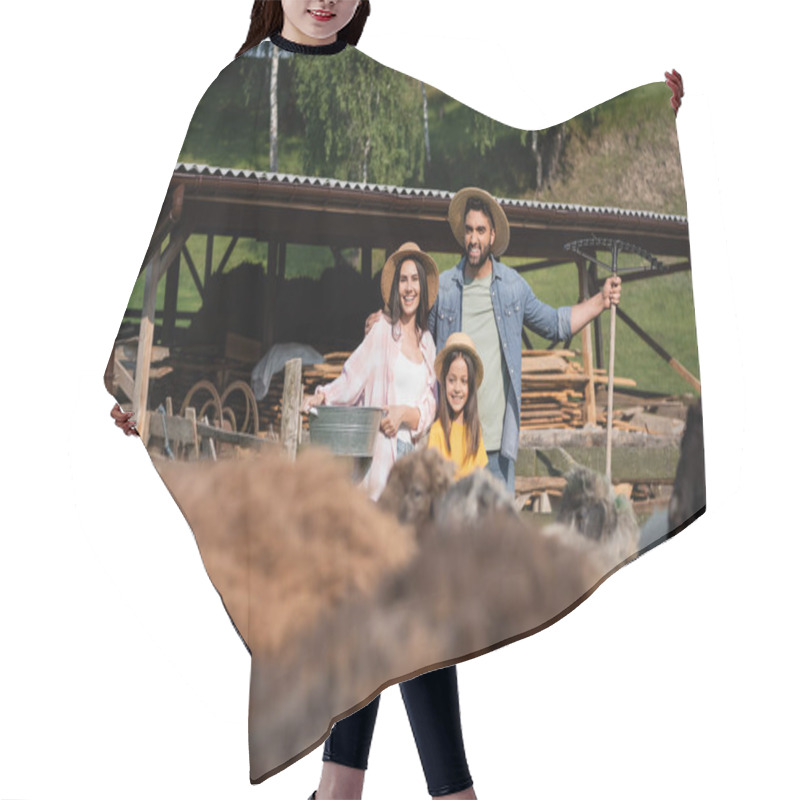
[
  {"x": 394, "y": 294},
  {"x": 472, "y": 424},
  {"x": 476, "y": 204},
  {"x": 266, "y": 19}
]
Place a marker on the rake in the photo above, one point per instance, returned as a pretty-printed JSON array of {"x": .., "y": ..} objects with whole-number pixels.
[{"x": 615, "y": 246}]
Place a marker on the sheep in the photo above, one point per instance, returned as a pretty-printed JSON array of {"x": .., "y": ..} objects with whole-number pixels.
[
  {"x": 416, "y": 483},
  {"x": 593, "y": 520},
  {"x": 688, "y": 498},
  {"x": 473, "y": 498},
  {"x": 420, "y": 488}
]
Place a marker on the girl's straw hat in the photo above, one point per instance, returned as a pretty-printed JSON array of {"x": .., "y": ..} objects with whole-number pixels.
[
  {"x": 459, "y": 341},
  {"x": 455, "y": 215},
  {"x": 408, "y": 250}
]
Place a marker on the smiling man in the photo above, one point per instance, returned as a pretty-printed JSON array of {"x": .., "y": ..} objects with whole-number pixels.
[{"x": 491, "y": 302}]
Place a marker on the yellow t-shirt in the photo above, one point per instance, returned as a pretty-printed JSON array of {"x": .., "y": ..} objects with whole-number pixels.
[{"x": 458, "y": 448}]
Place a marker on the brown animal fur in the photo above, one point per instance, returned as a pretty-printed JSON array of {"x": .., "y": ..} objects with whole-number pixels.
[
  {"x": 282, "y": 542},
  {"x": 415, "y": 484}
]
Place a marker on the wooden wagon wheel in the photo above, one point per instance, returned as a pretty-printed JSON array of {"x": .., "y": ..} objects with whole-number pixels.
[
  {"x": 227, "y": 413},
  {"x": 214, "y": 402},
  {"x": 250, "y": 403}
]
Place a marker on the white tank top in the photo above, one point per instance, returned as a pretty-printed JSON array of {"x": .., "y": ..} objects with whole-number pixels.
[{"x": 409, "y": 384}]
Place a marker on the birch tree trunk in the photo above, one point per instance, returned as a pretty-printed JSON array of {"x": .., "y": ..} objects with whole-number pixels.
[{"x": 273, "y": 110}]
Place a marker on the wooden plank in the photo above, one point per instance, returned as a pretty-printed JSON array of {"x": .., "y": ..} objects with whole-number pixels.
[
  {"x": 290, "y": 409},
  {"x": 231, "y": 437},
  {"x": 144, "y": 351},
  {"x": 653, "y": 344},
  {"x": 123, "y": 379}
]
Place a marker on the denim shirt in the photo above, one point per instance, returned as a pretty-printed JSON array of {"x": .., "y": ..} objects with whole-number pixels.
[{"x": 514, "y": 305}]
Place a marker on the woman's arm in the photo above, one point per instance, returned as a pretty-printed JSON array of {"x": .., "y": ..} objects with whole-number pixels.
[{"x": 349, "y": 387}]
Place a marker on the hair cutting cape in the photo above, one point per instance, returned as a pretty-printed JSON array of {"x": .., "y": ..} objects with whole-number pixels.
[{"x": 299, "y": 175}]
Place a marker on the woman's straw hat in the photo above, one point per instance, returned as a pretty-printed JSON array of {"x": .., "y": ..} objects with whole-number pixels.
[
  {"x": 459, "y": 341},
  {"x": 455, "y": 215},
  {"x": 408, "y": 250}
]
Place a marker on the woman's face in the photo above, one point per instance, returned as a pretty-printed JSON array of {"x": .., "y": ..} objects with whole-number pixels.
[
  {"x": 456, "y": 385},
  {"x": 408, "y": 288},
  {"x": 315, "y": 22}
]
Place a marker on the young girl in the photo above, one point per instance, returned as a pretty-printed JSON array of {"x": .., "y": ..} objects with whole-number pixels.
[{"x": 456, "y": 433}]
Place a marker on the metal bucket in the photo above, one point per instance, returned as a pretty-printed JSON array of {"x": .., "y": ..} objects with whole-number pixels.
[{"x": 345, "y": 430}]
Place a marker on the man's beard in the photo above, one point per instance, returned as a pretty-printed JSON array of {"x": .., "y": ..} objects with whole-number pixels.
[{"x": 478, "y": 261}]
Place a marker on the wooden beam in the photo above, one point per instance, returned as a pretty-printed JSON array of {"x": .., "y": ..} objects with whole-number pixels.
[
  {"x": 193, "y": 271},
  {"x": 366, "y": 263},
  {"x": 549, "y": 262},
  {"x": 209, "y": 257},
  {"x": 672, "y": 361},
  {"x": 223, "y": 263},
  {"x": 171, "y": 299}
]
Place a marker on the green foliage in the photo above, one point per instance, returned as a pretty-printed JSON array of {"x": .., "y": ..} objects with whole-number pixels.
[{"x": 362, "y": 121}]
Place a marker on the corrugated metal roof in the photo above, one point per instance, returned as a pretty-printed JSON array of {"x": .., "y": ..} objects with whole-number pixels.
[{"x": 333, "y": 183}]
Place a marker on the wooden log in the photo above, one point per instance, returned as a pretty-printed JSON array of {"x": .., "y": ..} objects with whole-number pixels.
[{"x": 291, "y": 404}]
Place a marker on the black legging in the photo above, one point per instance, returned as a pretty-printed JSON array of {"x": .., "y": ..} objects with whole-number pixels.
[{"x": 432, "y": 706}]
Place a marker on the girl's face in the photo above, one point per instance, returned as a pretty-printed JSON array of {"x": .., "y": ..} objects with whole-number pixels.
[
  {"x": 315, "y": 22},
  {"x": 408, "y": 287},
  {"x": 456, "y": 387}
]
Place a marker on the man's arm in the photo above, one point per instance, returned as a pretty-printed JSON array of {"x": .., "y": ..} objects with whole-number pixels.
[{"x": 583, "y": 313}]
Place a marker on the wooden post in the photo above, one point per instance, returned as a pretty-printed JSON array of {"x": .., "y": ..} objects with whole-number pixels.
[
  {"x": 171, "y": 297},
  {"x": 290, "y": 407},
  {"x": 598, "y": 321},
  {"x": 612, "y": 339},
  {"x": 366, "y": 263},
  {"x": 209, "y": 258},
  {"x": 586, "y": 346},
  {"x": 145, "y": 349}
]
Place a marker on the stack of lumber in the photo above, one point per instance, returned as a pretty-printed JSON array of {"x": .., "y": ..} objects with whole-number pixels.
[
  {"x": 313, "y": 375},
  {"x": 553, "y": 388}
]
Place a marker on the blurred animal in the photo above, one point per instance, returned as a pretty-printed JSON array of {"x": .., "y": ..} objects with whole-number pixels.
[
  {"x": 689, "y": 489},
  {"x": 593, "y": 519},
  {"x": 283, "y": 542},
  {"x": 416, "y": 485},
  {"x": 474, "y": 497}
]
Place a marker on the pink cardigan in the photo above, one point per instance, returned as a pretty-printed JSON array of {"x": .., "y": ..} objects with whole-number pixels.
[{"x": 367, "y": 379}]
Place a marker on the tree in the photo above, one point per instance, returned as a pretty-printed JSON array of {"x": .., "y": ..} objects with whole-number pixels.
[{"x": 361, "y": 120}]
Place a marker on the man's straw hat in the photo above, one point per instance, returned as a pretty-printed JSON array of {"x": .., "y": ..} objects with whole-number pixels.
[
  {"x": 408, "y": 250},
  {"x": 455, "y": 215},
  {"x": 459, "y": 341}
]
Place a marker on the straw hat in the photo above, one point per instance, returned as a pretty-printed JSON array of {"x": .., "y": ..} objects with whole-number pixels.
[
  {"x": 409, "y": 250},
  {"x": 455, "y": 215},
  {"x": 459, "y": 341}
]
